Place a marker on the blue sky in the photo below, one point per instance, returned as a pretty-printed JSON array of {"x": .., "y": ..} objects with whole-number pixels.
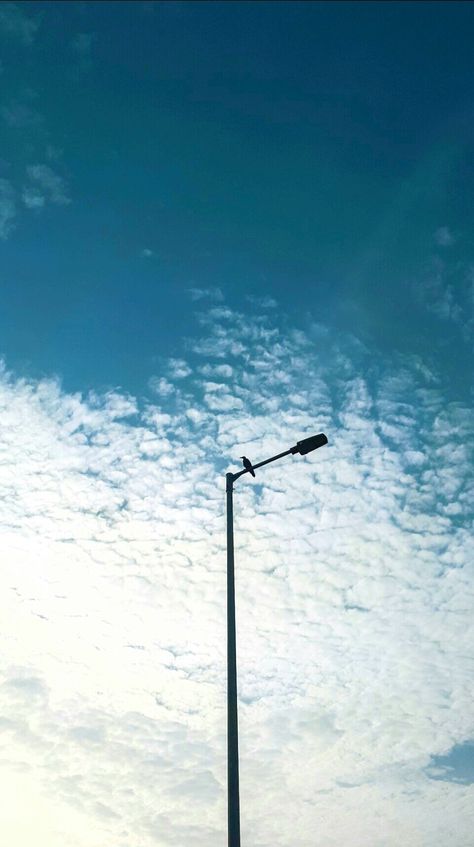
[
  {"x": 308, "y": 152},
  {"x": 223, "y": 227}
]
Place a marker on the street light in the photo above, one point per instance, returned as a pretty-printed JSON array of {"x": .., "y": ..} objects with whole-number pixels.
[{"x": 233, "y": 803}]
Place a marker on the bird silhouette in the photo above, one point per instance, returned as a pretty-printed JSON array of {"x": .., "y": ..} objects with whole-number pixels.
[{"x": 247, "y": 465}]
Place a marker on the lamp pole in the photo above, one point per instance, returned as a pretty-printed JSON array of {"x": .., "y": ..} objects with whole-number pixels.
[{"x": 233, "y": 796}]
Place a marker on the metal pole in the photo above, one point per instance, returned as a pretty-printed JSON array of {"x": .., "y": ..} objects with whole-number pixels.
[
  {"x": 233, "y": 804},
  {"x": 233, "y": 807}
]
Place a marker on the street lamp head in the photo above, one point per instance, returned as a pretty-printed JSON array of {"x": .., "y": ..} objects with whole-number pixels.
[{"x": 309, "y": 444}]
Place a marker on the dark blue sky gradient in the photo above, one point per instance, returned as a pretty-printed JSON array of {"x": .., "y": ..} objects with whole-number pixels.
[{"x": 307, "y": 151}]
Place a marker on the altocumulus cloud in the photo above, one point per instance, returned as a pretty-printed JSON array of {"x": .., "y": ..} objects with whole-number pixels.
[
  {"x": 354, "y": 587},
  {"x": 33, "y": 185},
  {"x": 7, "y": 208}
]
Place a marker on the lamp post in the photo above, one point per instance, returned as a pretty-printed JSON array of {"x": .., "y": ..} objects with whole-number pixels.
[{"x": 233, "y": 802}]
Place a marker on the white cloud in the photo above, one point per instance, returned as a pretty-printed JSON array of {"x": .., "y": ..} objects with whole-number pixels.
[
  {"x": 161, "y": 385},
  {"x": 444, "y": 292},
  {"x": 48, "y": 182},
  {"x": 146, "y": 253},
  {"x": 7, "y": 208},
  {"x": 354, "y": 590},
  {"x": 40, "y": 184},
  {"x": 32, "y": 198},
  {"x": 217, "y": 371},
  {"x": 178, "y": 369},
  {"x": 44, "y": 186},
  {"x": 262, "y": 302},
  {"x": 206, "y": 294}
]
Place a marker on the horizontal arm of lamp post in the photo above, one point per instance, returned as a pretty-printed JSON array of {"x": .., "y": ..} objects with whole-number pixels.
[{"x": 302, "y": 447}]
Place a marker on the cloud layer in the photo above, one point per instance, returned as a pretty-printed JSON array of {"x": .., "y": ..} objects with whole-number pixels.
[
  {"x": 354, "y": 590},
  {"x": 27, "y": 179}
]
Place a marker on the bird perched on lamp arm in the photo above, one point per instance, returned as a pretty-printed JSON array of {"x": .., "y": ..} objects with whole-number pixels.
[{"x": 247, "y": 465}]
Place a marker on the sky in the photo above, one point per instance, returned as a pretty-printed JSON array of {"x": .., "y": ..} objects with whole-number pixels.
[{"x": 225, "y": 227}]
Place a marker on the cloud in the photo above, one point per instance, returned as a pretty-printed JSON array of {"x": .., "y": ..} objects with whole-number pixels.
[
  {"x": 42, "y": 184},
  {"x": 14, "y": 22},
  {"x": 206, "y": 294},
  {"x": 82, "y": 45},
  {"x": 146, "y": 253},
  {"x": 354, "y": 597},
  {"x": 178, "y": 369},
  {"x": 7, "y": 208},
  {"x": 47, "y": 185},
  {"x": 33, "y": 198},
  {"x": 216, "y": 370},
  {"x": 53, "y": 153},
  {"x": 161, "y": 385},
  {"x": 21, "y": 116},
  {"x": 262, "y": 302},
  {"x": 446, "y": 292},
  {"x": 444, "y": 237}
]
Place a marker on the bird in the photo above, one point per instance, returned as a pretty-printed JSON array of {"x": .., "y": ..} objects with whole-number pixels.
[{"x": 247, "y": 465}]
